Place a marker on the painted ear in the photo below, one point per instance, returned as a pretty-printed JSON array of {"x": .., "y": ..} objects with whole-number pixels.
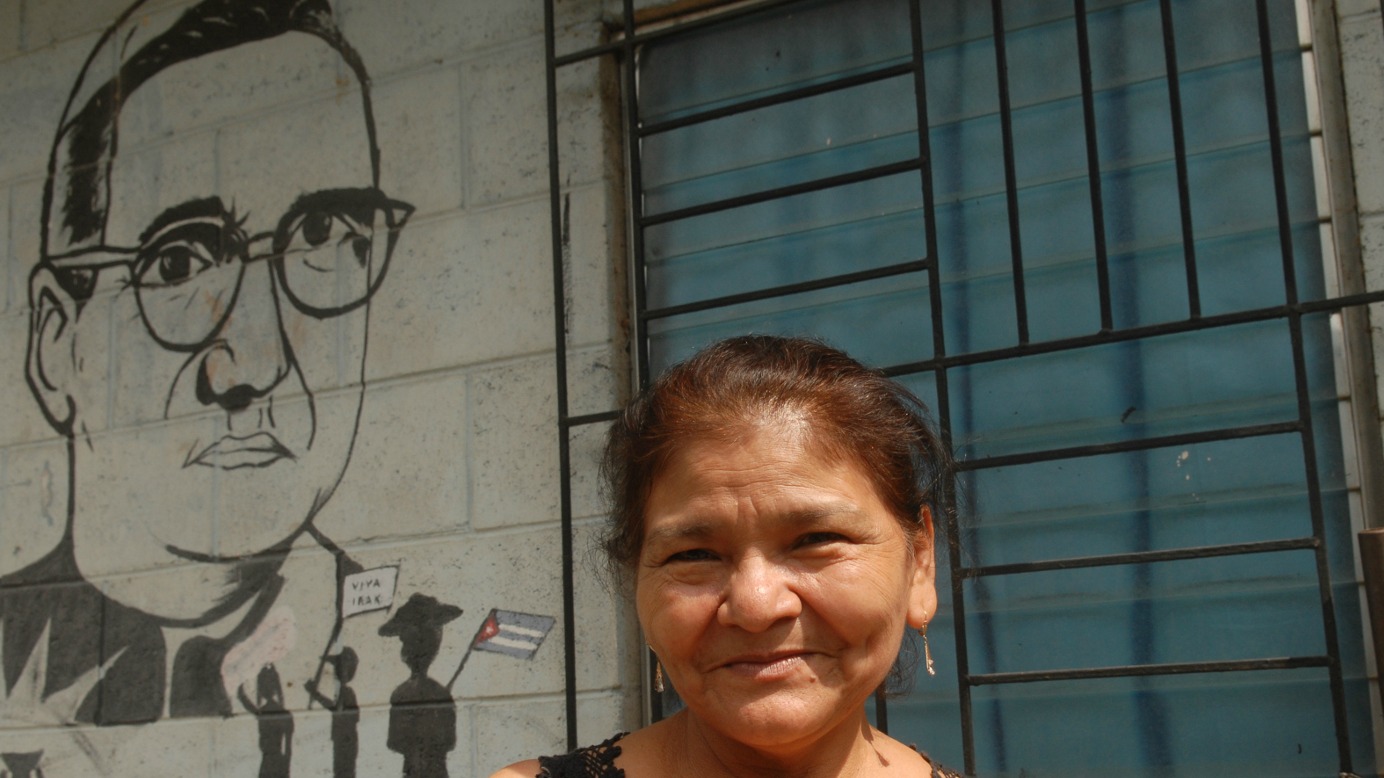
[
  {"x": 50, "y": 363},
  {"x": 922, "y": 600}
]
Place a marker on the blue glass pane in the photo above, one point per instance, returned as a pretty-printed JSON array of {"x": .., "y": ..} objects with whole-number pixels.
[
  {"x": 1126, "y": 391},
  {"x": 1276, "y": 724},
  {"x": 781, "y": 145},
  {"x": 792, "y": 240},
  {"x": 879, "y": 322},
  {"x": 1215, "y": 609},
  {"x": 1205, "y": 494},
  {"x": 769, "y": 55}
]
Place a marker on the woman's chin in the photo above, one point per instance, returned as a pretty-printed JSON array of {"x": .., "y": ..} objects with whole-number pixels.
[{"x": 775, "y": 719}]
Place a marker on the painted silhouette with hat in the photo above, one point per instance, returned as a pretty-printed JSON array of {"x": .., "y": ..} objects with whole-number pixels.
[{"x": 422, "y": 715}]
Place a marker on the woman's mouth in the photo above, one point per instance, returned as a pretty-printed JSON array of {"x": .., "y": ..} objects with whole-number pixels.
[{"x": 767, "y": 667}]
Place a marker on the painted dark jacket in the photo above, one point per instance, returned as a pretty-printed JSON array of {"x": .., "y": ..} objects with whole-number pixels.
[
  {"x": 84, "y": 631},
  {"x": 422, "y": 726}
]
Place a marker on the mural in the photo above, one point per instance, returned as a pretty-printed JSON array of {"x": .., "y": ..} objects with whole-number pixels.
[{"x": 245, "y": 306}]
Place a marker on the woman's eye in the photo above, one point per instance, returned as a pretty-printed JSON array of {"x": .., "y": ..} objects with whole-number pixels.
[
  {"x": 819, "y": 538},
  {"x": 692, "y": 555}
]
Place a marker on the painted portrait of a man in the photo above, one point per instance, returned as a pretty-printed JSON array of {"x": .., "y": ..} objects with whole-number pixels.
[{"x": 238, "y": 305}]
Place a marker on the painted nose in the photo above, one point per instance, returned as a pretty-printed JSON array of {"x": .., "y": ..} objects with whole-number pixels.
[
  {"x": 250, "y": 356},
  {"x": 758, "y": 595}
]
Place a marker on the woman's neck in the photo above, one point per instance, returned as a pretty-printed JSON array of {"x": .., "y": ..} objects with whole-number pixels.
[{"x": 845, "y": 751}]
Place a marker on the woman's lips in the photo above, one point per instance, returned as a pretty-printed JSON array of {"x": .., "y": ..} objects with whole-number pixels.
[{"x": 766, "y": 667}]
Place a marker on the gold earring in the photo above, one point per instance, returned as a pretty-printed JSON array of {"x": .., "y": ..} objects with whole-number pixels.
[
  {"x": 658, "y": 673},
  {"x": 927, "y": 651}
]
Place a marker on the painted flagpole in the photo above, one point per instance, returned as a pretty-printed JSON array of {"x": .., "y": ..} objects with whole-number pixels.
[{"x": 487, "y": 622}]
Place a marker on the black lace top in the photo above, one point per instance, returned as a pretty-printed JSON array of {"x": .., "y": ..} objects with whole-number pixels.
[{"x": 598, "y": 761}]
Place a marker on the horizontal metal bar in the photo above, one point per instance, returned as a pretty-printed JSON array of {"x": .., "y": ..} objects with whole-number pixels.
[
  {"x": 1132, "y": 671},
  {"x": 779, "y": 193},
  {"x": 801, "y": 93},
  {"x": 682, "y": 27},
  {"x": 1142, "y": 557},
  {"x": 1179, "y": 327},
  {"x": 1124, "y": 446},
  {"x": 588, "y": 418},
  {"x": 828, "y": 282}
]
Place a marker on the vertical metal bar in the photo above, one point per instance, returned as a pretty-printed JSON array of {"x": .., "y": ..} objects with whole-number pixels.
[
  {"x": 1088, "y": 111},
  {"x": 635, "y": 186},
  {"x": 943, "y": 410},
  {"x": 569, "y": 618},
  {"x": 1309, "y": 451},
  {"x": 1184, "y": 189},
  {"x": 1011, "y": 186}
]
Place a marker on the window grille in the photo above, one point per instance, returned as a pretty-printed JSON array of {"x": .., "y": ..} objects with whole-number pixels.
[{"x": 1113, "y": 202}]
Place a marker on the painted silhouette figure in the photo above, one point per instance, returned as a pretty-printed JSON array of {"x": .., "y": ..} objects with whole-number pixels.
[
  {"x": 422, "y": 714},
  {"x": 21, "y": 764},
  {"x": 230, "y": 301},
  {"x": 275, "y": 723},
  {"x": 345, "y": 713}
]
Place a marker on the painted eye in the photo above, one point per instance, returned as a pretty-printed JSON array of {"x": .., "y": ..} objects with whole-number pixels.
[
  {"x": 317, "y": 228},
  {"x": 184, "y": 283},
  {"x": 325, "y": 238},
  {"x": 176, "y": 264},
  {"x": 180, "y": 255},
  {"x": 329, "y": 257}
]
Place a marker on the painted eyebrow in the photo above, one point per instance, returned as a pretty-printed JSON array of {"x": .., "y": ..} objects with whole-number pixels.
[
  {"x": 200, "y": 208},
  {"x": 355, "y": 201}
]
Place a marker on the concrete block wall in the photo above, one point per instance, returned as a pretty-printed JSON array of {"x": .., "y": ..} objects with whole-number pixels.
[
  {"x": 1362, "y": 68},
  {"x": 199, "y": 469}
]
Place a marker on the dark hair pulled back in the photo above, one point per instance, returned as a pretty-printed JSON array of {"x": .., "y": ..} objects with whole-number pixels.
[{"x": 731, "y": 387}]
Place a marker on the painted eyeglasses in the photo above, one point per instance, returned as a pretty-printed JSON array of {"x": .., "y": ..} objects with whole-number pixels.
[{"x": 329, "y": 255}]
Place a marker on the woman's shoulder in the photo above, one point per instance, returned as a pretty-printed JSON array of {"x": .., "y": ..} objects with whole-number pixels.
[
  {"x": 525, "y": 769},
  {"x": 596, "y": 761},
  {"x": 907, "y": 755},
  {"x": 939, "y": 771}
]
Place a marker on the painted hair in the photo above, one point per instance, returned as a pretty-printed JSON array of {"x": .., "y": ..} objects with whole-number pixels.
[
  {"x": 852, "y": 413},
  {"x": 76, "y": 194}
]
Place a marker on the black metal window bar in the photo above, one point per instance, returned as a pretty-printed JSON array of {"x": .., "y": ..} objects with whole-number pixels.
[{"x": 623, "y": 46}]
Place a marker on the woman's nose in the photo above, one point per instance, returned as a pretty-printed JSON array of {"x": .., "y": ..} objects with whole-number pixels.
[
  {"x": 758, "y": 595},
  {"x": 249, "y": 356}
]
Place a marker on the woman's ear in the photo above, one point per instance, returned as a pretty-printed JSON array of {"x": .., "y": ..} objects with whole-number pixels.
[
  {"x": 50, "y": 365},
  {"x": 922, "y": 600}
]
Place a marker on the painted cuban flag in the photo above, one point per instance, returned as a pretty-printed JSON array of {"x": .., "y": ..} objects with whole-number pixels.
[{"x": 512, "y": 633}]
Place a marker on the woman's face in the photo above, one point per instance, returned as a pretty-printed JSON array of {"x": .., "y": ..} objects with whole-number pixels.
[{"x": 774, "y": 586}]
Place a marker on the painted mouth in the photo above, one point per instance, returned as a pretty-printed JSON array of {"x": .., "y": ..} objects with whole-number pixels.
[{"x": 232, "y": 453}]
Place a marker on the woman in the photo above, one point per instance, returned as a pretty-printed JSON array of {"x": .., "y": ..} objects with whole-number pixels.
[{"x": 773, "y": 505}]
